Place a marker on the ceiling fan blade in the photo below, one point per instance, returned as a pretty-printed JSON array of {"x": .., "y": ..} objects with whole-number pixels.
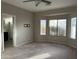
[
  {"x": 28, "y": 0},
  {"x": 48, "y": 2},
  {"x": 38, "y": 3}
]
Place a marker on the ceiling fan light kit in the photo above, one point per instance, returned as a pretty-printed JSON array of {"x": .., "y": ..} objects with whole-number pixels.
[{"x": 37, "y": 2}]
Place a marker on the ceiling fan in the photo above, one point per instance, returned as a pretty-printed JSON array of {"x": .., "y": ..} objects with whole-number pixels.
[{"x": 37, "y": 2}]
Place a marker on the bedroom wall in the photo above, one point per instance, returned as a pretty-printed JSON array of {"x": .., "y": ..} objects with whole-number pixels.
[
  {"x": 26, "y": 35},
  {"x": 71, "y": 42},
  {"x": 23, "y": 35},
  {"x": 50, "y": 15}
]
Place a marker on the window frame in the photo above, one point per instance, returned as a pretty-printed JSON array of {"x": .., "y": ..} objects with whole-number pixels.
[
  {"x": 75, "y": 29},
  {"x": 56, "y": 29},
  {"x": 45, "y": 26},
  {"x": 57, "y": 26},
  {"x": 66, "y": 25}
]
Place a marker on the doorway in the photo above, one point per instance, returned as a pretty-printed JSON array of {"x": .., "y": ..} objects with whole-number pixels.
[{"x": 7, "y": 31}]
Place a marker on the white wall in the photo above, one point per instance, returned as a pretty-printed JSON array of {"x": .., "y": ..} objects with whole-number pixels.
[
  {"x": 26, "y": 35},
  {"x": 71, "y": 42},
  {"x": 23, "y": 35},
  {"x": 52, "y": 14}
]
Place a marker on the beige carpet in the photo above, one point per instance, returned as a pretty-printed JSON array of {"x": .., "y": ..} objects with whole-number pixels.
[{"x": 40, "y": 51}]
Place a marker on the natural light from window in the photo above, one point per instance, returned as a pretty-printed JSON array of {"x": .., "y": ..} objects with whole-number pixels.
[
  {"x": 61, "y": 27},
  {"x": 9, "y": 19},
  {"x": 73, "y": 28},
  {"x": 42, "y": 56},
  {"x": 42, "y": 27},
  {"x": 57, "y": 27},
  {"x": 53, "y": 27}
]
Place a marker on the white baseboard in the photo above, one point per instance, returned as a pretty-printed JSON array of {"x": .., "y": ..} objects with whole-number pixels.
[
  {"x": 72, "y": 45},
  {"x": 64, "y": 43},
  {"x": 22, "y": 43}
]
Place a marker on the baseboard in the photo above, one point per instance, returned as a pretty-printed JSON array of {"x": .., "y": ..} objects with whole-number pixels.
[
  {"x": 21, "y": 44},
  {"x": 72, "y": 46},
  {"x": 62, "y": 43},
  {"x": 57, "y": 43}
]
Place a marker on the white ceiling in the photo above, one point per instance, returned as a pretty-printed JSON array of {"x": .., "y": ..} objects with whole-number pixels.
[{"x": 41, "y": 7}]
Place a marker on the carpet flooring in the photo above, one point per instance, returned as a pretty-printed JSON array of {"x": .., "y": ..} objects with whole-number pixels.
[{"x": 40, "y": 51}]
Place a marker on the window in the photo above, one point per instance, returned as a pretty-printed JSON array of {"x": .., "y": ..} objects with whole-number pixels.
[
  {"x": 61, "y": 27},
  {"x": 57, "y": 27},
  {"x": 73, "y": 28},
  {"x": 53, "y": 27},
  {"x": 42, "y": 27}
]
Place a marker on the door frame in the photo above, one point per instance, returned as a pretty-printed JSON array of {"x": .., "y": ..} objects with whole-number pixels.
[{"x": 2, "y": 30}]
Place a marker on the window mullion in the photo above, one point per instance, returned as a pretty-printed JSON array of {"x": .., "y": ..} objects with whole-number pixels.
[{"x": 57, "y": 27}]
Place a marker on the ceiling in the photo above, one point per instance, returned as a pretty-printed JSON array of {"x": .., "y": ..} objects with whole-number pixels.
[{"x": 41, "y": 7}]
